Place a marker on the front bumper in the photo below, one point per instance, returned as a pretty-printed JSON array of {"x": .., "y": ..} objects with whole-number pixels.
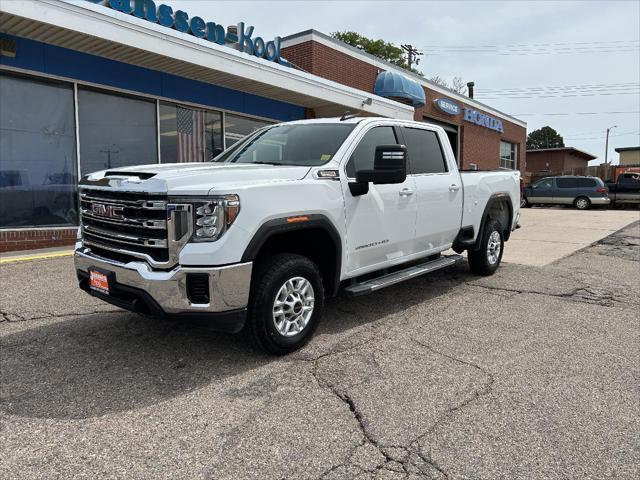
[{"x": 135, "y": 286}]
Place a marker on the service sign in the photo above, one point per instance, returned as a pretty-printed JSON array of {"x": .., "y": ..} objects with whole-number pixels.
[
  {"x": 447, "y": 106},
  {"x": 240, "y": 36},
  {"x": 483, "y": 120}
]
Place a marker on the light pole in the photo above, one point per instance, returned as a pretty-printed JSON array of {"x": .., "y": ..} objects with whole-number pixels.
[{"x": 606, "y": 145}]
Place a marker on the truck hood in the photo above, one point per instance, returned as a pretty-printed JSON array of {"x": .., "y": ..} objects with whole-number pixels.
[{"x": 192, "y": 178}]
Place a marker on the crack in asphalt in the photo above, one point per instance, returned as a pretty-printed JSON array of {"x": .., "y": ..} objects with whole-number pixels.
[
  {"x": 592, "y": 296},
  {"x": 411, "y": 460},
  {"x": 475, "y": 395}
]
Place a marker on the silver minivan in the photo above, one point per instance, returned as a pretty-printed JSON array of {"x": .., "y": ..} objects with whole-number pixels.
[{"x": 581, "y": 192}]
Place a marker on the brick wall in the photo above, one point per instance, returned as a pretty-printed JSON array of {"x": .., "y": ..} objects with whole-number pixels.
[
  {"x": 478, "y": 144},
  {"x": 559, "y": 161},
  {"x": 31, "y": 239}
]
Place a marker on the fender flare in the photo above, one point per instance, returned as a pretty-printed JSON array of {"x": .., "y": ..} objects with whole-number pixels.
[
  {"x": 278, "y": 226},
  {"x": 495, "y": 199}
]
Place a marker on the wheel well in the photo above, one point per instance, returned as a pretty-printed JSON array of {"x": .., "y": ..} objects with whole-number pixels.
[
  {"x": 500, "y": 209},
  {"x": 314, "y": 243}
]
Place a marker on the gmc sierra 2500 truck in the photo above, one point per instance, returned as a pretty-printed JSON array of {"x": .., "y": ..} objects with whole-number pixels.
[{"x": 291, "y": 214}]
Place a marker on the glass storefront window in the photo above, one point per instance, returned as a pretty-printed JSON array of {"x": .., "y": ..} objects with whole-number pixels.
[
  {"x": 237, "y": 127},
  {"x": 508, "y": 155},
  {"x": 115, "y": 131},
  {"x": 37, "y": 154},
  {"x": 189, "y": 134}
]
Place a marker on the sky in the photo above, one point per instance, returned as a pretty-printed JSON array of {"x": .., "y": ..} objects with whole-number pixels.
[{"x": 527, "y": 58}]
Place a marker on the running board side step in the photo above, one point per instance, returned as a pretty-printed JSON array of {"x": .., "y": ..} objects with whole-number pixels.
[{"x": 383, "y": 281}]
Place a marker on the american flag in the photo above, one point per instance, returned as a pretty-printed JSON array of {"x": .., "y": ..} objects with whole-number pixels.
[{"x": 190, "y": 125}]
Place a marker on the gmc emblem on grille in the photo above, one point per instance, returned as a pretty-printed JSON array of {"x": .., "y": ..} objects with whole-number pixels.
[{"x": 109, "y": 211}]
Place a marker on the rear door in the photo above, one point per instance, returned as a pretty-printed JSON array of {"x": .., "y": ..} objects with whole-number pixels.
[
  {"x": 380, "y": 224},
  {"x": 566, "y": 190},
  {"x": 542, "y": 191},
  {"x": 438, "y": 190}
]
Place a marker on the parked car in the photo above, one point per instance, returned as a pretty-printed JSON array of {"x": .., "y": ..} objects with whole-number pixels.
[
  {"x": 626, "y": 190},
  {"x": 291, "y": 214},
  {"x": 581, "y": 192}
]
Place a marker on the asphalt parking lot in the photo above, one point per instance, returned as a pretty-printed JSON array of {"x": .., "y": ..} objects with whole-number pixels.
[{"x": 530, "y": 373}]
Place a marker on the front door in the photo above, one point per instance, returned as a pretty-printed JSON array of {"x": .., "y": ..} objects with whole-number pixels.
[
  {"x": 542, "y": 191},
  {"x": 380, "y": 224},
  {"x": 439, "y": 190}
]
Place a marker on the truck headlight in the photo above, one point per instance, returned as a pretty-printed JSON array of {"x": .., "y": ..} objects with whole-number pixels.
[{"x": 213, "y": 216}]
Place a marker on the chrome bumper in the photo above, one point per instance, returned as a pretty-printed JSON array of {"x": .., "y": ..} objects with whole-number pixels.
[
  {"x": 600, "y": 200},
  {"x": 228, "y": 285}
]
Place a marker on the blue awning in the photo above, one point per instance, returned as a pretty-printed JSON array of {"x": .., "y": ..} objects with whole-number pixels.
[{"x": 398, "y": 87}]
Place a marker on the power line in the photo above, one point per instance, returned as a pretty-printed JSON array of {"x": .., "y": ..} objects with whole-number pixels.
[
  {"x": 536, "y": 44},
  {"x": 572, "y": 113},
  {"x": 601, "y": 137},
  {"x": 593, "y": 86},
  {"x": 529, "y": 53},
  {"x": 612, "y": 46},
  {"x": 510, "y": 97}
]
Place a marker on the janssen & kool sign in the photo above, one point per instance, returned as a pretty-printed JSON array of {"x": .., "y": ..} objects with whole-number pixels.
[{"x": 179, "y": 20}]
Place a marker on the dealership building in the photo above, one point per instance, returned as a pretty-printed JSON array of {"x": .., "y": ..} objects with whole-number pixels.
[{"x": 92, "y": 84}]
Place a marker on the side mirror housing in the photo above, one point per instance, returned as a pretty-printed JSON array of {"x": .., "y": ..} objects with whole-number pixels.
[{"x": 389, "y": 166}]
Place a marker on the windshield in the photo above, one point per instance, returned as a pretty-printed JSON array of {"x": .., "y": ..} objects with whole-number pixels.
[{"x": 306, "y": 144}]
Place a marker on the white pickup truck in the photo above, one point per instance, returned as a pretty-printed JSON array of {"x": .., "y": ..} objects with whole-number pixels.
[{"x": 290, "y": 215}]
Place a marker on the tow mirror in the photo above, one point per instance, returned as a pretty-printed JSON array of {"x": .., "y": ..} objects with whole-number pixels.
[{"x": 389, "y": 166}]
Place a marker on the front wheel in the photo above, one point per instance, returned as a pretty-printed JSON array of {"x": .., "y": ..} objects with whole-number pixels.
[
  {"x": 486, "y": 259},
  {"x": 582, "y": 203},
  {"x": 286, "y": 303},
  {"x": 524, "y": 203}
]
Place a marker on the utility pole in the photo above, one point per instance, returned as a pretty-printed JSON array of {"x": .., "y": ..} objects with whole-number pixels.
[
  {"x": 109, "y": 151},
  {"x": 412, "y": 54},
  {"x": 606, "y": 145}
]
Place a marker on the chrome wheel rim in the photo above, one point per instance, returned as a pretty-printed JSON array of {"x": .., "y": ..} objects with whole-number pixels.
[
  {"x": 493, "y": 248},
  {"x": 293, "y": 306},
  {"x": 581, "y": 203}
]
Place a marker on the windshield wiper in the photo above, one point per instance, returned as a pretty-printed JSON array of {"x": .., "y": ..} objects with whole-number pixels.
[{"x": 267, "y": 163}]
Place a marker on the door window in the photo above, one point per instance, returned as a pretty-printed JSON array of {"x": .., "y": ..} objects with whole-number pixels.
[
  {"x": 363, "y": 156},
  {"x": 567, "y": 182},
  {"x": 425, "y": 151},
  {"x": 545, "y": 184}
]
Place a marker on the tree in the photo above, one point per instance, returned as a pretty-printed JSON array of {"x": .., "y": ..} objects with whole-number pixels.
[
  {"x": 457, "y": 84},
  {"x": 545, "y": 137},
  {"x": 381, "y": 49}
]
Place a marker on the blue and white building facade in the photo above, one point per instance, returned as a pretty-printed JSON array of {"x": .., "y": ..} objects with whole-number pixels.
[{"x": 92, "y": 84}]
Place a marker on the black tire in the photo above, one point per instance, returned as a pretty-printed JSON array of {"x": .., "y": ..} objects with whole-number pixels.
[
  {"x": 524, "y": 203},
  {"x": 268, "y": 278},
  {"x": 480, "y": 260},
  {"x": 582, "y": 203}
]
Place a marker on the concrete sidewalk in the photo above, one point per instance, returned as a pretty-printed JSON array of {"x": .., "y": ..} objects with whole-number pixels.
[{"x": 549, "y": 234}]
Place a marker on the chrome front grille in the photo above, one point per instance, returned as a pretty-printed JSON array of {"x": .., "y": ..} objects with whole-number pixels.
[{"x": 137, "y": 225}]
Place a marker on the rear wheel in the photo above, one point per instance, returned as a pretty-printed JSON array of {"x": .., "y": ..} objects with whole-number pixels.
[
  {"x": 486, "y": 259},
  {"x": 286, "y": 303},
  {"x": 524, "y": 203},
  {"x": 582, "y": 203}
]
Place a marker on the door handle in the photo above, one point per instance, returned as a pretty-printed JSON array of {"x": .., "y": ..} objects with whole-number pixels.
[
  {"x": 454, "y": 188},
  {"x": 405, "y": 192}
]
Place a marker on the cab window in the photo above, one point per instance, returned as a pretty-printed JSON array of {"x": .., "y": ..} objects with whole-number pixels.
[
  {"x": 363, "y": 156},
  {"x": 425, "y": 151}
]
